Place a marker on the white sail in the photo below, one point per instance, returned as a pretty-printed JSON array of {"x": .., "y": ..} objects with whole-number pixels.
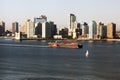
[{"x": 87, "y": 53}]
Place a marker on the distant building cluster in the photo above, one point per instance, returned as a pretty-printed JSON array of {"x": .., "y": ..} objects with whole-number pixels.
[
  {"x": 92, "y": 30},
  {"x": 41, "y": 28}
]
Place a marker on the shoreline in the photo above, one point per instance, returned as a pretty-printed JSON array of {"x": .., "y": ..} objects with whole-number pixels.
[
  {"x": 98, "y": 39},
  {"x": 59, "y": 39}
]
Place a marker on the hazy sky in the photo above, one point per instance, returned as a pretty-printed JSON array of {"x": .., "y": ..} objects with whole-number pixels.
[{"x": 58, "y": 10}]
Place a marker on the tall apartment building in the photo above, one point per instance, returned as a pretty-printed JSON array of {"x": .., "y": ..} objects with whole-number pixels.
[
  {"x": 111, "y": 30},
  {"x": 72, "y": 20},
  {"x": 72, "y": 25},
  {"x": 92, "y": 30},
  {"x": 101, "y": 30},
  {"x": 99, "y": 25},
  {"x": 30, "y": 28},
  {"x": 85, "y": 28},
  {"x": 15, "y": 27},
  {"x": 2, "y": 28}
]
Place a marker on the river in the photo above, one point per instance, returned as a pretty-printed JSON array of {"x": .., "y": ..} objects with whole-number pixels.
[{"x": 34, "y": 60}]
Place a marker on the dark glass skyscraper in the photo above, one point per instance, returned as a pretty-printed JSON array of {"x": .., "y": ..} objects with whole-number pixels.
[{"x": 2, "y": 28}]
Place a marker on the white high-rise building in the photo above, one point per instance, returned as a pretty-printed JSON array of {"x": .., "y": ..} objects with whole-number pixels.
[
  {"x": 72, "y": 20},
  {"x": 74, "y": 30},
  {"x": 30, "y": 28},
  {"x": 72, "y": 25},
  {"x": 92, "y": 30}
]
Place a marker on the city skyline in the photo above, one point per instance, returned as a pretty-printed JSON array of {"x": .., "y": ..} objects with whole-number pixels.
[{"x": 59, "y": 10}]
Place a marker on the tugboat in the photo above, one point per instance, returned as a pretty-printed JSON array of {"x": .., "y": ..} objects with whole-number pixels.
[{"x": 65, "y": 44}]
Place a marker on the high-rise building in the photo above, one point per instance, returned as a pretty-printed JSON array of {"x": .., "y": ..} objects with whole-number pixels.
[
  {"x": 72, "y": 19},
  {"x": 46, "y": 30},
  {"x": 38, "y": 21},
  {"x": 85, "y": 28},
  {"x": 51, "y": 24},
  {"x": 49, "y": 29},
  {"x": 72, "y": 25},
  {"x": 111, "y": 30},
  {"x": 101, "y": 30},
  {"x": 74, "y": 30},
  {"x": 53, "y": 29},
  {"x": 78, "y": 30},
  {"x": 2, "y": 28},
  {"x": 104, "y": 32},
  {"x": 15, "y": 27},
  {"x": 23, "y": 28},
  {"x": 30, "y": 28},
  {"x": 92, "y": 30},
  {"x": 38, "y": 30}
]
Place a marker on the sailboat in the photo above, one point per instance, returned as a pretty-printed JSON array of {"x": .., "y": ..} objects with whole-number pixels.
[{"x": 87, "y": 53}]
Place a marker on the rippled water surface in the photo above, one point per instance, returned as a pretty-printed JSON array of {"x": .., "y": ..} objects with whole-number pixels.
[{"x": 34, "y": 60}]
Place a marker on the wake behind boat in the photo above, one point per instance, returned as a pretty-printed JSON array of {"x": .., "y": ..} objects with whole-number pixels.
[
  {"x": 23, "y": 45},
  {"x": 65, "y": 44}
]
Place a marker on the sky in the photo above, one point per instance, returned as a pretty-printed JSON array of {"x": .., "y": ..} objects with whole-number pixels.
[{"x": 58, "y": 11}]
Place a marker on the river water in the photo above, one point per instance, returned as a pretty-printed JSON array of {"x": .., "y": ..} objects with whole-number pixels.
[{"x": 19, "y": 61}]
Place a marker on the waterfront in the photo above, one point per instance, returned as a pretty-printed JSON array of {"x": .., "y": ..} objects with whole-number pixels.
[{"x": 44, "y": 63}]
